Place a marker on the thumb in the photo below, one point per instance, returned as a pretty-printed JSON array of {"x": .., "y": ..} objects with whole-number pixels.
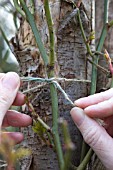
[
  {"x": 9, "y": 85},
  {"x": 94, "y": 135}
]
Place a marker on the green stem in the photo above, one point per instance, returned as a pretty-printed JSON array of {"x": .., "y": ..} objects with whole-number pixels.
[
  {"x": 99, "y": 48},
  {"x": 5, "y": 37},
  {"x": 84, "y": 36},
  {"x": 94, "y": 67},
  {"x": 18, "y": 8},
  {"x": 51, "y": 140},
  {"x": 32, "y": 6},
  {"x": 87, "y": 158},
  {"x": 84, "y": 150},
  {"x": 34, "y": 28},
  {"x": 54, "y": 100},
  {"x": 43, "y": 123},
  {"x": 53, "y": 91},
  {"x": 84, "y": 145},
  {"x": 69, "y": 146},
  {"x": 51, "y": 32},
  {"x": 99, "y": 67},
  {"x": 106, "y": 9}
]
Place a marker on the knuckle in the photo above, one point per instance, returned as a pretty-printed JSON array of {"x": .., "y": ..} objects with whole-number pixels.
[
  {"x": 91, "y": 136},
  {"x": 4, "y": 99}
]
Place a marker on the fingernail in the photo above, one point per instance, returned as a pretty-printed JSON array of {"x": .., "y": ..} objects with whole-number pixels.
[
  {"x": 77, "y": 115},
  {"x": 89, "y": 109},
  {"x": 11, "y": 81},
  {"x": 77, "y": 102}
]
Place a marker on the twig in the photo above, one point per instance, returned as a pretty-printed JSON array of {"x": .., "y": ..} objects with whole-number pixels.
[
  {"x": 72, "y": 80},
  {"x": 100, "y": 67},
  {"x": 34, "y": 88},
  {"x": 99, "y": 53},
  {"x": 83, "y": 35}
]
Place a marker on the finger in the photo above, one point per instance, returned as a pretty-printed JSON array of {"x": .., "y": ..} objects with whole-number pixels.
[
  {"x": 94, "y": 99},
  {"x": 94, "y": 135},
  {"x": 1, "y": 75},
  {"x": 19, "y": 100},
  {"x": 9, "y": 85},
  {"x": 100, "y": 110},
  {"x": 16, "y": 119},
  {"x": 16, "y": 137}
]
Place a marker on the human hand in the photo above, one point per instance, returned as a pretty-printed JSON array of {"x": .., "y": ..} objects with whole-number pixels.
[
  {"x": 99, "y": 138},
  {"x": 9, "y": 86}
]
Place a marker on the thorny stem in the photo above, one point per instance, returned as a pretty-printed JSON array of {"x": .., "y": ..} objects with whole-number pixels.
[
  {"x": 53, "y": 91},
  {"x": 34, "y": 28},
  {"x": 83, "y": 35}
]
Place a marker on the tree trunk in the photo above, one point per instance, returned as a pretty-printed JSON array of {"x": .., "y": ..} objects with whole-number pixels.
[{"x": 72, "y": 61}]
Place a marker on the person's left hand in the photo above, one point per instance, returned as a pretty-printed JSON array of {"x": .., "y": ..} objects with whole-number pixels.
[{"x": 9, "y": 95}]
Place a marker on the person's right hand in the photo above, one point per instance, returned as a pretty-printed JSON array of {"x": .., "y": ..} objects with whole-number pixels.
[{"x": 96, "y": 106}]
